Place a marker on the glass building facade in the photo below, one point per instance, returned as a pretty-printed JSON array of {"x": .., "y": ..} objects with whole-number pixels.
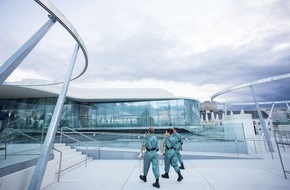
[{"x": 36, "y": 113}]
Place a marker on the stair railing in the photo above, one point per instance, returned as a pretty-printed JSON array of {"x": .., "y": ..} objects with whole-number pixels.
[
  {"x": 80, "y": 142},
  {"x": 40, "y": 142},
  {"x": 63, "y": 130}
]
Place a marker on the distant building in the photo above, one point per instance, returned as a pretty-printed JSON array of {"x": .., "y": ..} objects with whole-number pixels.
[
  {"x": 208, "y": 106},
  {"x": 248, "y": 120},
  {"x": 281, "y": 116}
]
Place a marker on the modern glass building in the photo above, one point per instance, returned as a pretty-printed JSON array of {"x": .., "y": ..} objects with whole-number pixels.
[{"x": 121, "y": 109}]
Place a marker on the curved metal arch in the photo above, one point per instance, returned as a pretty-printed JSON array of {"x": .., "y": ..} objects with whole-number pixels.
[
  {"x": 55, "y": 14},
  {"x": 251, "y": 84},
  {"x": 49, "y": 7},
  {"x": 248, "y": 84},
  {"x": 252, "y": 103}
]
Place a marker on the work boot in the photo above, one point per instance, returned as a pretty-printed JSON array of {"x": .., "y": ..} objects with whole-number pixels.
[
  {"x": 165, "y": 175},
  {"x": 143, "y": 177},
  {"x": 182, "y": 166},
  {"x": 180, "y": 177},
  {"x": 156, "y": 184}
]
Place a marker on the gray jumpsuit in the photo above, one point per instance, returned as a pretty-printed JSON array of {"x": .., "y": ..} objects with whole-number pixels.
[
  {"x": 178, "y": 143},
  {"x": 170, "y": 156},
  {"x": 151, "y": 143}
]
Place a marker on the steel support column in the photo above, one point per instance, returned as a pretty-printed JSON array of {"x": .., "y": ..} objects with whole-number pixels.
[
  {"x": 262, "y": 121},
  {"x": 271, "y": 111},
  {"x": 40, "y": 168},
  {"x": 12, "y": 63}
]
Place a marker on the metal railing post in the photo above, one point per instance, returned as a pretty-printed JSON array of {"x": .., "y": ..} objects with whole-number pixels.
[
  {"x": 60, "y": 139},
  {"x": 59, "y": 166},
  {"x": 237, "y": 149}
]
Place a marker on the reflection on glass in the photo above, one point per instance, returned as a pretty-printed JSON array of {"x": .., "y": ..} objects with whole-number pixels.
[{"x": 36, "y": 113}]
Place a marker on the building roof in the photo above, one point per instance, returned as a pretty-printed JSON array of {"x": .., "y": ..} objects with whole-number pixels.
[{"x": 86, "y": 94}]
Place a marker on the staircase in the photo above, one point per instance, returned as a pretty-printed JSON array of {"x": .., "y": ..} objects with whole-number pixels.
[{"x": 71, "y": 158}]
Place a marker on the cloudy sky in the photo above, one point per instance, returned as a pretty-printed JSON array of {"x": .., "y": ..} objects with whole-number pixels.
[{"x": 192, "y": 48}]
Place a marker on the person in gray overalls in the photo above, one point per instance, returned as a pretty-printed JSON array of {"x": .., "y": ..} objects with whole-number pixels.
[
  {"x": 178, "y": 146},
  {"x": 151, "y": 144},
  {"x": 170, "y": 156}
]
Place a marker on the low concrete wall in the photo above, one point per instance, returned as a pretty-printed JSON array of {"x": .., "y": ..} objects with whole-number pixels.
[
  {"x": 20, "y": 180},
  {"x": 196, "y": 150},
  {"x": 113, "y": 153}
]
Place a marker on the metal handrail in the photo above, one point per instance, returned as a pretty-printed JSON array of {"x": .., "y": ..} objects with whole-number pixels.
[
  {"x": 60, "y": 159},
  {"x": 81, "y": 134},
  {"x": 60, "y": 162},
  {"x": 280, "y": 141},
  {"x": 76, "y": 141},
  {"x": 24, "y": 134}
]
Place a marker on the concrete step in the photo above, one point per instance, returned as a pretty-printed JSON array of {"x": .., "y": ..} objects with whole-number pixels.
[
  {"x": 73, "y": 161},
  {"x": 61, "y": 147},
  {"x": 71, "y": 158},
  {"x": 67, "y": 155}
]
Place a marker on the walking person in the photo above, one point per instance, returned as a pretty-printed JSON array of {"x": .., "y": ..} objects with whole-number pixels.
[
  {"x": 170, "y": 156},
  {"x": 178, "y": 146},
  {"x": 151, "y": 144}
]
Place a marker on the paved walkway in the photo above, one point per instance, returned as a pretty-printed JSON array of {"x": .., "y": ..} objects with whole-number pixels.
[{"x": 199, "y": 174}]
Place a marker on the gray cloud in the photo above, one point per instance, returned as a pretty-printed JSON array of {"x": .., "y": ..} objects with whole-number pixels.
[{"x": 223, "y": 45}]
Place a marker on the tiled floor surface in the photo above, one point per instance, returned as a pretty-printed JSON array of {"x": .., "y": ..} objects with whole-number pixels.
[{"x": 200, "y": 174}]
